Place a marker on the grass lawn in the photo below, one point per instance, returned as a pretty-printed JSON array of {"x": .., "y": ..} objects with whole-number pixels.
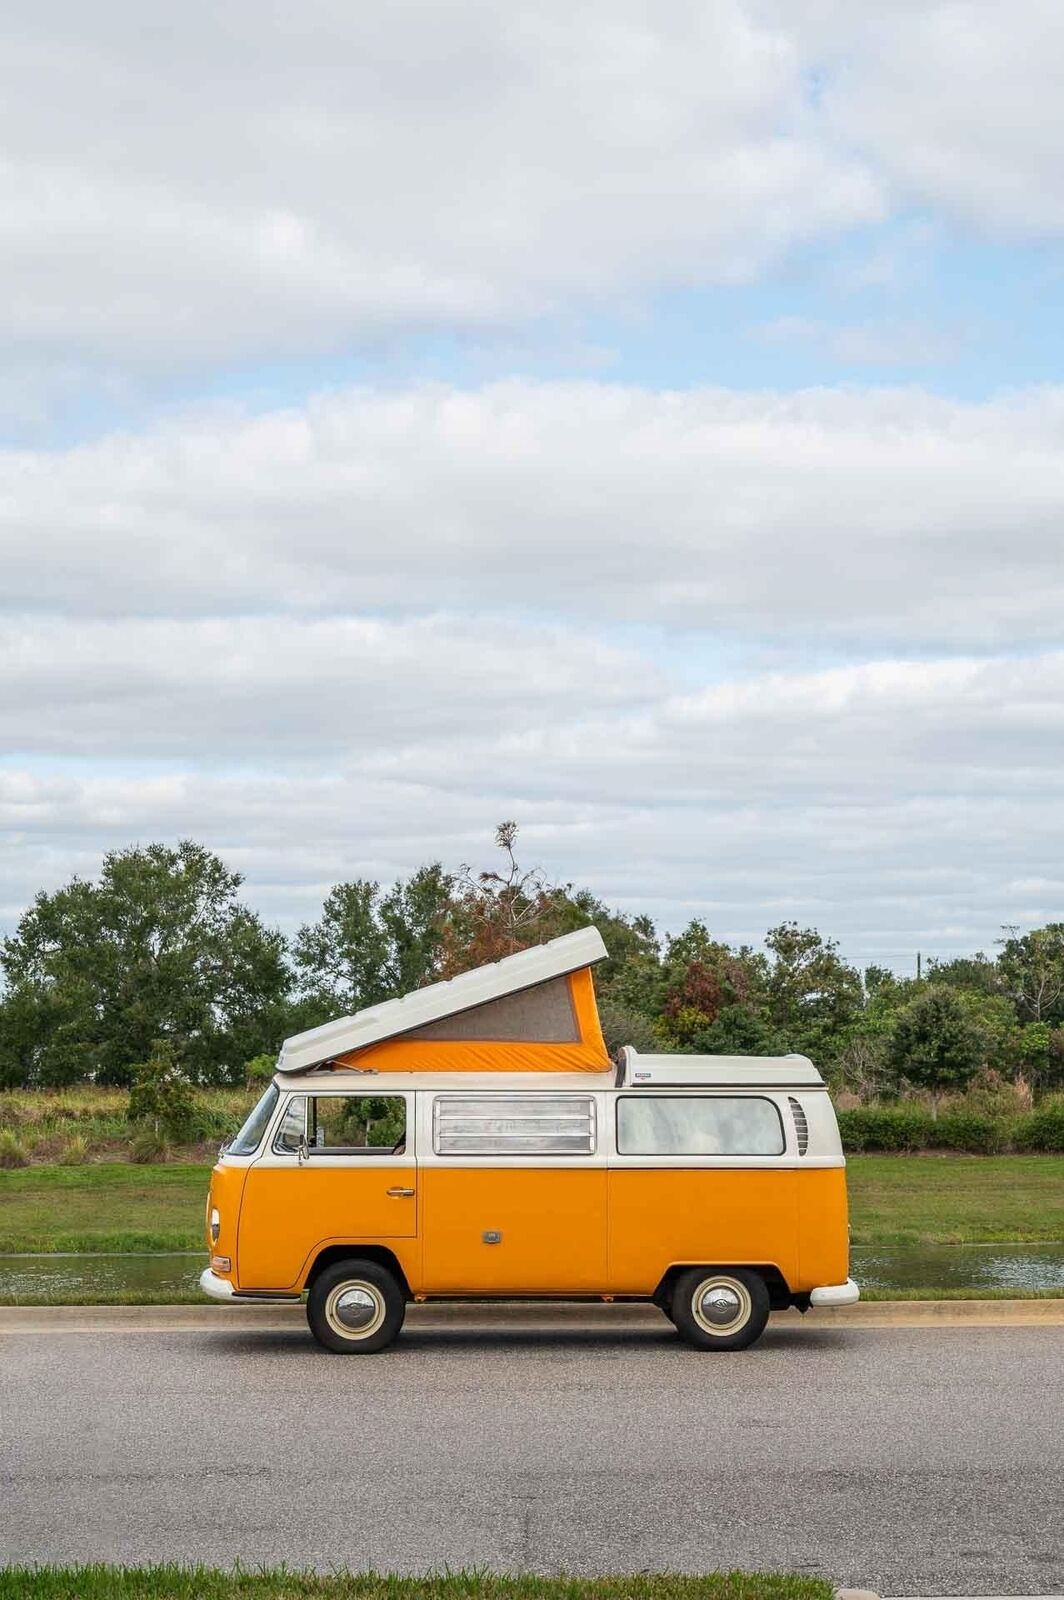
[
  {"x": 203, "y": 1583},
  {"x": 948, "y": 1199},
  {"x": 112, "y": 1206},
  {"x": 928, "y": 1199}
]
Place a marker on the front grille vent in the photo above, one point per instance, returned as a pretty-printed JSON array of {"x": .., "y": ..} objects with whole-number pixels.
[{"x": 801, "y": 1124}]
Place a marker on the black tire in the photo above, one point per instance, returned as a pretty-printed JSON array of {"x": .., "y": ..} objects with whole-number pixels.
[
  {"x": 373, "y": 1314},
  {"x": 736, "y": 1312}
]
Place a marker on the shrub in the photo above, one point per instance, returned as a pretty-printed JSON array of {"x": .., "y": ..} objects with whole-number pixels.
[
  {"x": 12, "y": 1153},
  {"x": 973, "y": 1131},
  {"x": 995, "y": 1096},
  {"x": 147, "y": 1145},
  {"x": 75, "y": 1153},
  {"x": 1043, "y": 1129},
  {"x": 163, "y": 1098},
  {"x": 888, "y": 1128}
]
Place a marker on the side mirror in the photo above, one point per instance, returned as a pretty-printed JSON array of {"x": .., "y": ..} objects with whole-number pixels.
[
  {"x": 223, "y": 1147},
  {"x": 303, "y": 1149}
]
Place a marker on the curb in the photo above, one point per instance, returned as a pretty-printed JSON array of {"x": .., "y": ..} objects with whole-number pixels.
[{"x": 529, "y": 1314}]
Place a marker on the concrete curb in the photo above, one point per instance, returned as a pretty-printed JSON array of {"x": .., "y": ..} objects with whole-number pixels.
[{"x": 526, "y": 1314}]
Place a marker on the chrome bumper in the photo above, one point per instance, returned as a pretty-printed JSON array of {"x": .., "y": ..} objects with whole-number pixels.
[
  {"x": 836, "y": 1294},
  {"x": 217, "y": 1288}
]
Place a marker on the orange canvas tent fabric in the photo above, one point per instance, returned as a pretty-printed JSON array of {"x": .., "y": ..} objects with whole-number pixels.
[{"x": 551, "y": 1026}]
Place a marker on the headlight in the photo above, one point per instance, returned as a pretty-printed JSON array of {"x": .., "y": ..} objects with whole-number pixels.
[{"x": 216, "y": 1224}]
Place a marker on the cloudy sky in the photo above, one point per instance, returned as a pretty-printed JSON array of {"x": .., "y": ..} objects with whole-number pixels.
[{"x": 642, "y": 420}]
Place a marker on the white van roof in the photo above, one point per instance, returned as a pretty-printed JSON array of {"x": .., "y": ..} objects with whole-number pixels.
[
  {"x": 740, "y": 1072},
  {"x": 523, "y": 970}
]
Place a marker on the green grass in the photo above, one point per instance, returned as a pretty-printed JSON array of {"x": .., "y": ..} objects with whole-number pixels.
[
  {"x": 206, "y": 1583},
  {"x": 110, "y": 1206},
  {"x": 947, "y": 1199}
]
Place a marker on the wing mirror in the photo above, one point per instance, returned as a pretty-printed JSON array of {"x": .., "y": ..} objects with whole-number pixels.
[{"x": 303, "y": 1149}]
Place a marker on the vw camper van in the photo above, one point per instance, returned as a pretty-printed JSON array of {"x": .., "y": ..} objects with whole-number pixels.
[{"x": 475, "y": 1140}]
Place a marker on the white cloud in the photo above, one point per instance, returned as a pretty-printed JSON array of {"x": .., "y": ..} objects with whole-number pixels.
[
  {"x": 857, "y": 519},
  {"x": 955, "y": 104},
  {"x": 238, "y": 186},
  {"x": 241, "y": 181},
  {"x": 270, "y": 689},
  {"x": 898, "y": 804}
]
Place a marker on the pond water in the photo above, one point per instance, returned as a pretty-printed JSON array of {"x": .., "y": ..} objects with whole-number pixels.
[
  {"x": 969, "y": 1266},
  {"x": 51, "y": 1277},
  {"x": 959, "y": 1266}
]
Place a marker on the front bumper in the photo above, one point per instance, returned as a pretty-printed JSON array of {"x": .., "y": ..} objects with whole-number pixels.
[
  {"x": 217, "y": 1288},
  {"x": 836, "y": 1294}
]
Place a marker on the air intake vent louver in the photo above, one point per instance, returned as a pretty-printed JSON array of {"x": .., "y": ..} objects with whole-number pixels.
[{"x": 801, "y": 1124}]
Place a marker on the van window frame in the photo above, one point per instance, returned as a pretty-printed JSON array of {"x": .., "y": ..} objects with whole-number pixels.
[
  {"x": 708, "y": 1156},
  {"x": 356, "y": 1152},
  {"x": 586, "y": 1098}
]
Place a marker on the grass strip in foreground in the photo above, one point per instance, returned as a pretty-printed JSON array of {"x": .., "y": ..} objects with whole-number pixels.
[{"x": 207, "y": 1583}]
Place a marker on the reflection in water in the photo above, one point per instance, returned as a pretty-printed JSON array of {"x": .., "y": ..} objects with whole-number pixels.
[
  {"x": 944, "y": 1266},
  {"x": 50, "y": 1277},
  {"x": 959, "y": 1266}
]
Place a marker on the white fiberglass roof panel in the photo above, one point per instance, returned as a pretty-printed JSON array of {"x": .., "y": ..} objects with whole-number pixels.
[
  {"x": 523, "y": 970},
  {"x": 676, "y": 1071}
]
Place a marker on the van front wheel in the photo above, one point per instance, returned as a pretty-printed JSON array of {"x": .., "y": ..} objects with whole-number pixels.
[
  {"x": 355, "y": 1307},
  {"x": 720, "y": 1309}
]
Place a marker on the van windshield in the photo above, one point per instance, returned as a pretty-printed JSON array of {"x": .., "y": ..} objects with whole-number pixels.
[{"x": 250, "y": 1136}]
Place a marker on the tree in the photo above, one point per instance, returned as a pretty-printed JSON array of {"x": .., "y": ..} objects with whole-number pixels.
[
  {"x": 498, "y": 911},
  {"x": 158, "y": 950},
  {"x": 1032, "y": 971},
  {"x": 935, "y": 1044},
  {"x": 813, "y": 995},
  {"x": 369, "y": 945}
]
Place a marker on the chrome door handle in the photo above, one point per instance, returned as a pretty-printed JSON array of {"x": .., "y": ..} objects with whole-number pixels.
[{"x": 401, "y": 1194}]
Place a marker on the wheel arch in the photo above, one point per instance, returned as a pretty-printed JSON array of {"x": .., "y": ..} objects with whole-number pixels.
[
  {"x": 780, "y": 1294},
  {"x": 383, "y": 1257}
]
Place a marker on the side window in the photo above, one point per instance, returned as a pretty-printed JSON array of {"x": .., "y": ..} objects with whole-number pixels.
[
  {"x": 681, "y": 1125},
  {"x": 357, "y": 1124},
  {"x": 512, "y": 1125}
]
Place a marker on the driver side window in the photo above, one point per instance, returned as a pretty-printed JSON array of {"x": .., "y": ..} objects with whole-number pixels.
[
  {"x": 344, "y": 1125},
  {"x": 357, "y": 1124}
]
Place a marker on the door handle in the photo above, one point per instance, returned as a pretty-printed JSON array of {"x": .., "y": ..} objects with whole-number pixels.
[{"x": 401, "y": 1194}]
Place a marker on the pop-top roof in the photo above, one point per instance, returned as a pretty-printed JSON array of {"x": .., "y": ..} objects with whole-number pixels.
[{"x": 526, "y": 969}]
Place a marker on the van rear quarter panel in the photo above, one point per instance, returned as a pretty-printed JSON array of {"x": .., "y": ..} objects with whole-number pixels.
[
  {"x": 823, "y": 1224},
  {"x": 706, "y": 1215}
]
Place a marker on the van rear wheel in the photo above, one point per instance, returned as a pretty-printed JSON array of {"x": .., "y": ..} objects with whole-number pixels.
[
  {"x": 720, "y": 1308},
  {"x": 355, "y": 1307}
]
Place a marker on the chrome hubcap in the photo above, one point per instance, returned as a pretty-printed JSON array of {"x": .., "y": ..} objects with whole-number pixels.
[
  {"x": 721, "y": 1305},
  {"x": 354, "y": 1310}
]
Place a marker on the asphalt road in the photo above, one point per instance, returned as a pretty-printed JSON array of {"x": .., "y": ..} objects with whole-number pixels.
[{"x": 910, "y": 1460}]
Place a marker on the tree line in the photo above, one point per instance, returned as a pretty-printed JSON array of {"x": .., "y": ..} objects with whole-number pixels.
[{"x": 159, "y": 958}]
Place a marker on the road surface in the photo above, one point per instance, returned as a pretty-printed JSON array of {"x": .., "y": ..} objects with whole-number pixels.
[{"x": 908, "y": 1460}]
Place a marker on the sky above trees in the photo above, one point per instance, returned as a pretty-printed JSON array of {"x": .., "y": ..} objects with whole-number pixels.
[{"x": 643, "y": 421}]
